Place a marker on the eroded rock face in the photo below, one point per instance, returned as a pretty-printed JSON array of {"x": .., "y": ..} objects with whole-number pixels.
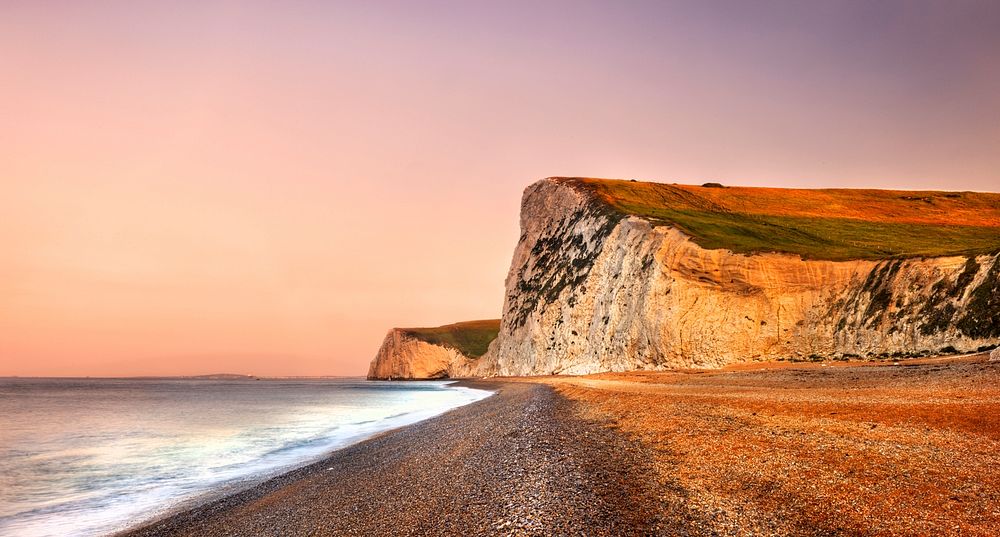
[
  {"x": 590, "y": 290},
  {"x": 403, "y": 356}
]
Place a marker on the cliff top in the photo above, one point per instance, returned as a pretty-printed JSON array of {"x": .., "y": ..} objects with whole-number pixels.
[
  {"x": 471, "y": 338},
  {"x": 833, "y": 224}
]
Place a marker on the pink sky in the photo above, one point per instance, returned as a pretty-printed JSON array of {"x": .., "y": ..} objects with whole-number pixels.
[{"x": 267, "y": 187}]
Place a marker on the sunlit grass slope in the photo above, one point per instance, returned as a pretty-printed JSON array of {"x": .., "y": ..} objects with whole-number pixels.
[
  {"x": 834, "y": 224},
  {"x": 471, "y": 338}
]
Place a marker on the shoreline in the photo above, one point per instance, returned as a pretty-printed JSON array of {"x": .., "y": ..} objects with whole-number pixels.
[
  {"x": 863, "y": 449},
  {"x": 247, "y": 485},
  {"x": 520, "y": 460}
]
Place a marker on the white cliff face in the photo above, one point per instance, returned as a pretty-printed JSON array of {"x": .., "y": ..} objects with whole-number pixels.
[
  {"x": 403, "y": 356},
  {"x": 590, "y": 291}
]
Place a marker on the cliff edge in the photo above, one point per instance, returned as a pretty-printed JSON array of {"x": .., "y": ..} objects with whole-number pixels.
[
  {"x": 620, "y": 275},
  {"x": 432, "y": 353}
]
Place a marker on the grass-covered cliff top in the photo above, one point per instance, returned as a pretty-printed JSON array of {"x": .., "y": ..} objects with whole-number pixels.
[
  {"x": 834, "y": 224},
  {"x": 471, "y": 338}
]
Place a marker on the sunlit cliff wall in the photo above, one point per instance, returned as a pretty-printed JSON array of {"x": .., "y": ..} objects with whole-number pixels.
[{"x": 590, "y": 290}]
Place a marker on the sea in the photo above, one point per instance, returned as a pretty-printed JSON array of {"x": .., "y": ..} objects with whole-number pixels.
[{"x": 81, "y": 457}]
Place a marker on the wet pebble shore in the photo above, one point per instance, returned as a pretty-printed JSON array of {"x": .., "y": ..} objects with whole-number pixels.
[{"x": 522, "y": 462}]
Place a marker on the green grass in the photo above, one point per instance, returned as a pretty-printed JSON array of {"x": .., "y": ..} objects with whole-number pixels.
[
  {"x": 471, "y": 338},
  {"x": 883, "y": 224},
  {"x": 827, "y": 238}
]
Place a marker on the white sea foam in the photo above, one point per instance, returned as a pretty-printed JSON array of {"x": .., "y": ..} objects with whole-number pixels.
[{"x": 90, "y": 457}]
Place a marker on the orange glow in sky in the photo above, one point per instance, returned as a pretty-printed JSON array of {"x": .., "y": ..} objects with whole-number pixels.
[{"x": 266, "y": 188}]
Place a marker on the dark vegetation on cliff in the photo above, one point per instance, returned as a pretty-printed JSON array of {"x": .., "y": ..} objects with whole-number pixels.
[
  {"x": 471, "y": 338},
  {"x": 941, "y": 310},
  {"x": 981, "y": 319},
  {"x": 832, "y": 224},
  {"x": 563, "y": 258}
]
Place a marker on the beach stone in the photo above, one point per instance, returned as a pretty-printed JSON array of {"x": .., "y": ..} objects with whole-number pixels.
[
  {"x": 995, "y": 355},
  {"x": 487, "y": 468}
]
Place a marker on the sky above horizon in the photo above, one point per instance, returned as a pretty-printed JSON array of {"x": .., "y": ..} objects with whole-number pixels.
[{"x": 268, "y": 187}]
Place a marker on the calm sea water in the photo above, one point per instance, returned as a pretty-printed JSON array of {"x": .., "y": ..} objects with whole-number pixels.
[{"x": 88, "y": 457}]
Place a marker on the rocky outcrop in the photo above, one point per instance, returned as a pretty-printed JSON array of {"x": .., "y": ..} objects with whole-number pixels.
[
  {"x": 432, "y": 353},
  {"x": 403, "y": 356},
  {"x": 591, "y": 289}
]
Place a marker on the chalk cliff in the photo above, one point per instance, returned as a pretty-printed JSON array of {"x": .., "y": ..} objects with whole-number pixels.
[
  {"x": 432, "y": 353},
  {"x": 601, "y": 284}
]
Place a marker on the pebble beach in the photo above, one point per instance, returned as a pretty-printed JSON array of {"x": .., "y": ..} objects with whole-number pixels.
[{"x": 785, "y": 449}]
